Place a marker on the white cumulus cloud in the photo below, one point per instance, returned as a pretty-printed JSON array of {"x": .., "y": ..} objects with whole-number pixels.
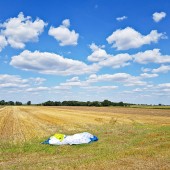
[
  {"x": 117, "y": 61},
  {"x": 105, "y": 60},
  {"x": 20, "y": 30},
  {"x": 63, "y": 34},
  {"x": 126, "y": 79},
  {"x": 97, "y": 88},
  {"x": 137, "y": 90},
  {"x": 124, "y": 39},
  {"x": 147, "y": 75},
  {"x": 165, "y": 85},
  {"x": 37, "y": 80},
  {"x": 151, "y": 56},
  {"x": 121, "y": 18},
  {"x": 73, "y": 83},
  {"x": 162, "y": 69},
  {"x": 146, "y": 69},
  {"x": 74, "y": 79},
  {"x": 15, "y": 81},
  {"x": 158, "y": 16},
  {"x": 37, "y": 89},
  {"x": 66, "y": 22},
  {"x": 50, "y": 63},
  {"x": 3, "y": 42},
  {"x": 98, "y": 53}
]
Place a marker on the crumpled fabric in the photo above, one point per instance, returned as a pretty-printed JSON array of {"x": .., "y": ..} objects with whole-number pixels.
[
  {"x": 59, "y": 136},
  {"x": 79, "y": 138}
]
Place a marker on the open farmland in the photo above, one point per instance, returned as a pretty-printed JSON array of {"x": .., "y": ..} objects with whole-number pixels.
[{"x": 129, "y": 138}]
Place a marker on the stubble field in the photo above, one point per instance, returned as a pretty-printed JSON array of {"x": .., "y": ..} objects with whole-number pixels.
[{"x": 129, "y": 138}]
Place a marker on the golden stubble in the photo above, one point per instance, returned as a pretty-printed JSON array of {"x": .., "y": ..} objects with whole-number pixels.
[{"x": 22, "y": 123}]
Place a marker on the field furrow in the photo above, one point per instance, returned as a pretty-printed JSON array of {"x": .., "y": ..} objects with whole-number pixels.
[{"x": 6, "y": 130}]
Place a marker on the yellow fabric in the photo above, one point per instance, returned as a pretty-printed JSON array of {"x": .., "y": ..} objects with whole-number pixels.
[{"x": 59, "y": 136}]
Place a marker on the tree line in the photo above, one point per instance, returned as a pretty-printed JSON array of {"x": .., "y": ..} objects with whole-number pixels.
[
  {"x": 74, "y": 103},
  {"x": 80, "y": 103},
  {"x": 68, "y": 103},
  {"x": 12, "y": 103}
]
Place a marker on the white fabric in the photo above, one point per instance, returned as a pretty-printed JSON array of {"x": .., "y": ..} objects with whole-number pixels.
[{"x": 78, "y": 138}]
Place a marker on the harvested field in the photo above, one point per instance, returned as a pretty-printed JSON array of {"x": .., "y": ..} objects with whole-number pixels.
[
  {"x": 129, "y": 138},
  {"x": 25, "y": 123}
]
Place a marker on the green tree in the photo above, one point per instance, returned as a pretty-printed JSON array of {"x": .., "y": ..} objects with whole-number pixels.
[
  {"x": 2, "y": 102},
  {"x": 29, "y": 103},
  {"x": 106, "y": 103},
  {"x": 18, "y": 103},
  {"x": 121, "y": 104},
  {"x": 11, "y": 103}
]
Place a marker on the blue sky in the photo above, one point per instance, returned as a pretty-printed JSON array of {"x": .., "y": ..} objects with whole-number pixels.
[{"x": 85, "y": 50}]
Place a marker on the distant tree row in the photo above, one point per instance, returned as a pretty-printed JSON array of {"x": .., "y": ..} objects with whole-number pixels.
[
  {"x": 88, "y": 103},
  {"x": 75, "y": 103},
  {"x": 68, "y": 103},
  {"x": 3, "y": 102}
]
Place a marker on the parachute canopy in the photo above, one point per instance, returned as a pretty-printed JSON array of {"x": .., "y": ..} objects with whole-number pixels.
[{"x": 79, "y": 138}]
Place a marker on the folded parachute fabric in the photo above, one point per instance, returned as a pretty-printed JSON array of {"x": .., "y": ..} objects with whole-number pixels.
[{"x": 79, "y": 138}]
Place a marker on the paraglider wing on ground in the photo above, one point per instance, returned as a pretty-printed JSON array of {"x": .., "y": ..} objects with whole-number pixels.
[{"x": 79, "y": 138}]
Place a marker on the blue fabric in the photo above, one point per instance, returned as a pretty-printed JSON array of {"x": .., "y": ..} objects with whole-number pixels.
[
  {"x": 46, "y": 141},
  {"x": 94, "y": 139}
]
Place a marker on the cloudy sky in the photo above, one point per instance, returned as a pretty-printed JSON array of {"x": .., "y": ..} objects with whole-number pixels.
[{"x": 85, "y": 50}]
